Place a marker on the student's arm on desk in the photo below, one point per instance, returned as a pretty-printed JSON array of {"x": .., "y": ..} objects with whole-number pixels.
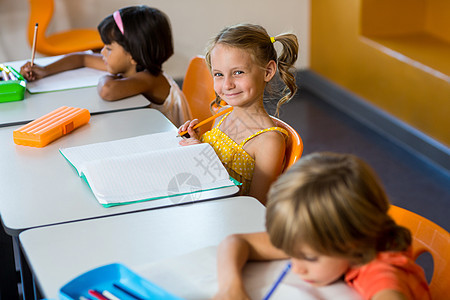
[
  {"x": 68, "y": 62},
  {"x": 115, "y": 87},
  {"x": 234, "y": 251}
]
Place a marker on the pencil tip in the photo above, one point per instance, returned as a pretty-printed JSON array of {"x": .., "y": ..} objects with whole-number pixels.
[{"x": 36, "y": 24}]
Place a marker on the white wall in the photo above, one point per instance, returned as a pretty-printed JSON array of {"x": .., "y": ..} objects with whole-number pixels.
[{"x": 194, "y": 22}]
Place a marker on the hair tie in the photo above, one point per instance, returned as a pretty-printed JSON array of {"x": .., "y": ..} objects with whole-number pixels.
[
  {"x": 272, "y": 39},
  {"x": 118, "y": 20}
]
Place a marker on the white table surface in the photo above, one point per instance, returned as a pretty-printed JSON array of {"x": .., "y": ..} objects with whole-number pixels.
[
  {"x": 37, "y": 105},
  {"x": 39, "y": 187},
  {"x": 174, "y": 248}
]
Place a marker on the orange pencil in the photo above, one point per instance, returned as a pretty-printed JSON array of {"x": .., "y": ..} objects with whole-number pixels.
[
  {"x": 209, "y": 119},
  {"x": 33, "y": 49}
]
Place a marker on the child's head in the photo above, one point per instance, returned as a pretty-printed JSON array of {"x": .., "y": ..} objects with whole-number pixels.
[
  {"x": 147, "y": 35},
  {"x": 334, "y": 205},
  {"x": 255, "y": 40}
]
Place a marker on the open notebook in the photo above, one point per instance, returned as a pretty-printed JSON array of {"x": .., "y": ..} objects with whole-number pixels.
[{"x": 147, "y": 167}]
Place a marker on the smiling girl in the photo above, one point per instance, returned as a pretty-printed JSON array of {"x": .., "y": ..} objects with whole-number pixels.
[
  {"x": 243, "y": 60},
  {"x": 138, "y": 40}
]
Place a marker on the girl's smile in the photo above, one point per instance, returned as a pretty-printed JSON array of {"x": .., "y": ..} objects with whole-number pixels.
[{"x": 237, "y": 78}]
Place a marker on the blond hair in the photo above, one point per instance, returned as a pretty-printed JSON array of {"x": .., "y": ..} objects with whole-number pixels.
[
  {"x": 335, "y": 204},
  {"x": 256, "y": 40}
]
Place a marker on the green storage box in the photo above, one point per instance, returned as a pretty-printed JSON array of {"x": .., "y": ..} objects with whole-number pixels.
[{"x": 12, "y": 90}]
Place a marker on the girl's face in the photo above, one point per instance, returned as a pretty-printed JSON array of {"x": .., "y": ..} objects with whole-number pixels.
[
  {"x": 117, "y": 60},
  {"x": 318, "y": 269},
  {"x": 237, "y": 78}
]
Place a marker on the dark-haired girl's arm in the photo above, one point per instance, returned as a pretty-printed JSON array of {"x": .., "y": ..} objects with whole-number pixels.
[
  {"x": 116, "y": 87},
  {"x": 68, "y": 62}
]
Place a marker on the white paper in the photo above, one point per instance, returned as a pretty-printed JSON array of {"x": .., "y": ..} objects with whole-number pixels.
[
  {"x": 146, "y": 167},
  {"x": 81, "y": 155},
  {"x": 72, "y": 79},
  {"x": 156, "y": 174},
  {"x": 194, "y": 276}
]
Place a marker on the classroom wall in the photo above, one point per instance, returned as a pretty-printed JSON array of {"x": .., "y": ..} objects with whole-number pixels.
[
  {"x": 411, "y": 90},
  {"x": 194, "y": 22}
]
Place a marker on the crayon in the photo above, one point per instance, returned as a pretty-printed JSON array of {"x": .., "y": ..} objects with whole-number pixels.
[
  {"x": 97, "y": 295},
  {"x": 110, "y": 295},
  {"x": 5, "y": 76}
]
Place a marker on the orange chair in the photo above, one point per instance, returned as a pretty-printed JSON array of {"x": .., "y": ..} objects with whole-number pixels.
[
  {"x": 431, "y": 238},
  {"x": 41, "y": 12},
  {"x": 198, "y": 87},
  {"x": 294, "y": 145}
]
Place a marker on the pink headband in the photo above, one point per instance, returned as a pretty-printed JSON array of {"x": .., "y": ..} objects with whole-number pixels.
[{"x": 118, "y": 20}]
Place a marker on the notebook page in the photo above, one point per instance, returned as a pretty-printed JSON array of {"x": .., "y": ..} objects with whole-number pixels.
[
  {"x": 156, "y": 174},
  {"x": 79, "y": 156},
  {"x": 72, "y": 79},
  {"x": 82, "y": 77},
  {"x": 193, "y": 276}
]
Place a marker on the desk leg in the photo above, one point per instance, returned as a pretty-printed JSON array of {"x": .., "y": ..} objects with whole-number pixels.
[
  {"x": 8, "y": 274},
  {"x": 25, "y": 275}
]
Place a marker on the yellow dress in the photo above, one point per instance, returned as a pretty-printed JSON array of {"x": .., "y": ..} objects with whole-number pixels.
[{"x": 239, "y": 164}]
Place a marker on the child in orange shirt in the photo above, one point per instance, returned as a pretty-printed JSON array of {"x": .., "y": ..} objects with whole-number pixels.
[{"x": 329, "y": 215}]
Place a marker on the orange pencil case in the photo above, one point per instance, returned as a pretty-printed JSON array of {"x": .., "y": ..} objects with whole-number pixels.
[{"x": 50, "y": 127}]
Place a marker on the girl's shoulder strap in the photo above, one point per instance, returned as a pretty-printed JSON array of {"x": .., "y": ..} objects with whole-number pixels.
[
  {"x": 223, "y": 118},
  {"x": 279, "y": 129}
]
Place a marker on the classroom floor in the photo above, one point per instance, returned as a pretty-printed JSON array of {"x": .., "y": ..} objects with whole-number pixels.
[{"x": 410, "y": 182}]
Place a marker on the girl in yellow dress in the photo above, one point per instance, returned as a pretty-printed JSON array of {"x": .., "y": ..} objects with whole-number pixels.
[{"x": 243, "y": 60}]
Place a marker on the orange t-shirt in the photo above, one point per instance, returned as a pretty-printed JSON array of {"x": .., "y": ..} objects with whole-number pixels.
[{"x": 389, "y": 270}]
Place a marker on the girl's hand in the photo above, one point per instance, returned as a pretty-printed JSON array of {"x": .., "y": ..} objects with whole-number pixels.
[
  {"x": 193, "y": 133},
  {"x": 32, "y": 73}
]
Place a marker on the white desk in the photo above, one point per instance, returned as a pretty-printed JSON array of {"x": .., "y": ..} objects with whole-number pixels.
[
  {"x": 37, "y": 105},
  {"x": 39, "y": 187},
  {"x": 173, "y": 247}
]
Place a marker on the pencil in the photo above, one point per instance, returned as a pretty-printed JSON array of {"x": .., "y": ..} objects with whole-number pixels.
[
  {"x": 209, "y": 119},
  {"x": 33, "y": 48},
  {"x": 280, "y": 278}
]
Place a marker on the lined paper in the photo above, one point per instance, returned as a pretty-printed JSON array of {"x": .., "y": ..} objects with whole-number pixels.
[
  {"x": 147, "y": 167},
  {"x": 72, "y": 79},
  {"x": 81, "y": 155}
]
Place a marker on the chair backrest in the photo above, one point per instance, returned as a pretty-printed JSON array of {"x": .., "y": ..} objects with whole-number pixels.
[
  {"x": 41, "y": 12},
  {"x": 198, "y": 87},
  {"x": 294, "y": 145},
  {"x": 431, "y": 238}
]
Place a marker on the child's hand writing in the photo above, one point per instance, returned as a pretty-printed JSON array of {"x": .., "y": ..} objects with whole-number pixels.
[
  {"x": 193, "y": 133},
  {"x": 32, "y": 73}
]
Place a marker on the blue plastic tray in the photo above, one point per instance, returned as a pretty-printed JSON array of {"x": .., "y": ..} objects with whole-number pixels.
[{"x": 118, "y": 280}]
